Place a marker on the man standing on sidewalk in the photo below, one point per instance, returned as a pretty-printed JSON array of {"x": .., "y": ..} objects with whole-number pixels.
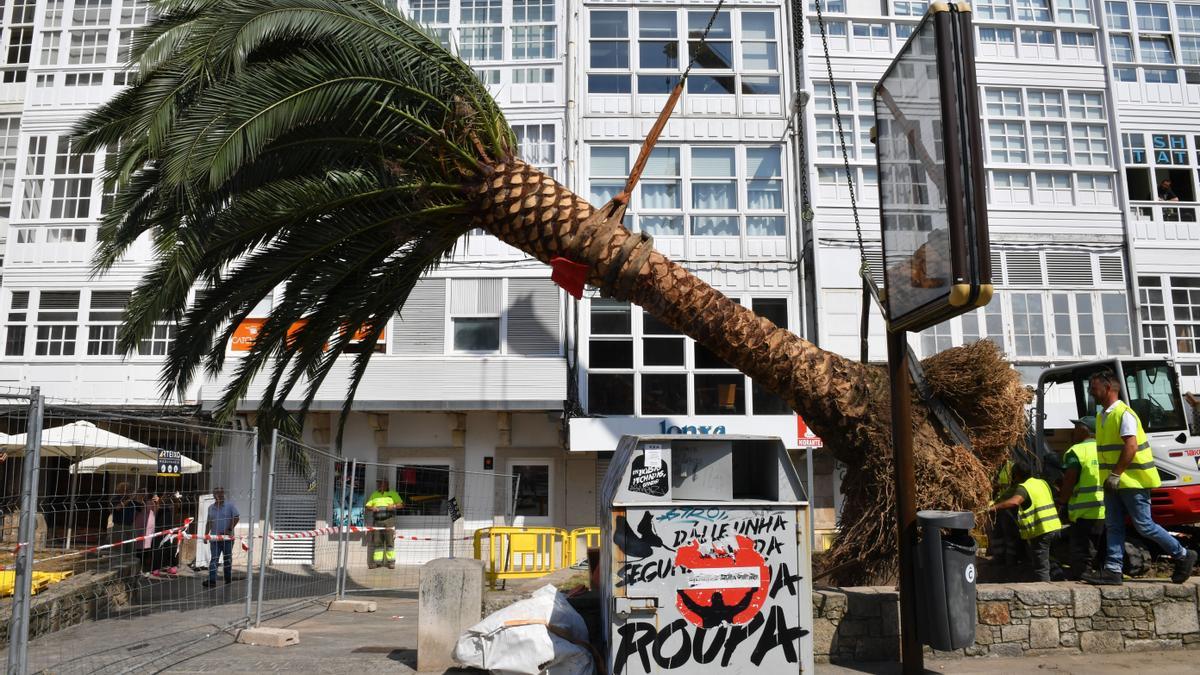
[
  {"x": 382, "y": 544},
  {"x": 1128, "y": 471},
  {"x": 1082, "y": 495},
  {"x": 223, "y": 517}
]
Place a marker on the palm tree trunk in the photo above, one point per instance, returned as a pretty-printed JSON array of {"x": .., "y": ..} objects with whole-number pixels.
[
  {"x": 846, "y": 402},
  {"x": 531, "y": 211}
]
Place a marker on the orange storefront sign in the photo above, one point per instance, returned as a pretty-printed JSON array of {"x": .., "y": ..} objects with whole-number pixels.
[{"x": 247, "y": 332}]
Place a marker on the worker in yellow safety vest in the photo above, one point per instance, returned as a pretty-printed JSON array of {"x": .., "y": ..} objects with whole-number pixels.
[
  {"x": 381, "y": 545},
  {"x": 1081, "y": 497},
  {"x": 1037, "y": 519},
  {"x": 1004, "y": 544},
  {"x": 1128, "y": 474}
]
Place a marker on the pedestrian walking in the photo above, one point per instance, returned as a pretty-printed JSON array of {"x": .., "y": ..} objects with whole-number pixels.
[
  {"x": 1128, "y": 473},
  {"x": 382, "y": 543},
  {"x": 1081, "y": 495},
  {"x": 1037, "y": 519},
  {"x": 223, "y": 517}
]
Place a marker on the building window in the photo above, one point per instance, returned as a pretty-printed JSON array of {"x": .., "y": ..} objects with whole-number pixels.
[
  {"x": 159, "y": 342},
  {"x": 610, "y": 352},
  {"x": 18, "y": 318},
  {"x": 53, "y": 14},
  {"x": 1033, "y": 10},
  {"x": 1122, "y": 47},
  {"x": 608, "y": 49},
  {"x": 632, "y": 352},
  {"x": 1089, "y": 144},
  {"x": 10, "y": 134},
  {"x": 533, "y": 488},
  {"x": 1029, "y": 326},
  {"x": 993, "y": 9},
  {"x": 104, "y": 319},
  {"x": 475, "y": 314},
  {"x": 1007, "y": 140},
  {"x": 1153, "y": 315},
  {"x": 1094, "y": 189},
  {"x": 1053, "y": 189},
  {"x": 1074, "y": 11},
  {"x": 534, "y": 35},
  {"x": 138, "y": 12},
  {"x": 537, "y": 144},
  {"x": 663, "y": 50},
  {"x": 92, "y": 13},
  {"x": 1153, "y": 16},
  {"x": 1117, "y": 14},
  {"x": 72, "y": 183},
  {"x": 1049, "y": 142},
  {"x": 58, "y": 312},
  {"x": 424, "y": 488},
  {"x": 88, "y": 47},
  {"x": 1156, "y": 50},
  {"x": 713, "y": 57},
  {"x": 662, "y": 194},
  {"x": 1117, "y": 336},
  {"x": 1045, "y": 104},
  {"x": 714, "y": 192}
]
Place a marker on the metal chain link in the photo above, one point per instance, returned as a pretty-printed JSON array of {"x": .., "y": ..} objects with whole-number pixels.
[
  {"x": 797, "y": 118},
  {"x": 837, "y": 114}
]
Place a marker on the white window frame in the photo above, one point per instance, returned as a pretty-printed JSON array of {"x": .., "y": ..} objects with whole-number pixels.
[{"x": 551, "y": 484}]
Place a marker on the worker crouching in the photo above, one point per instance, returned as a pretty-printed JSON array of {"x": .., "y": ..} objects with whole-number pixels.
[
  {"x": 1037, "y": 519},
  {"x": 381, "y": 545}
]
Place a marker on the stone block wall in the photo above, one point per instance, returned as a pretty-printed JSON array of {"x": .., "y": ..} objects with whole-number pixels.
[{"x": 862, "y": 624}]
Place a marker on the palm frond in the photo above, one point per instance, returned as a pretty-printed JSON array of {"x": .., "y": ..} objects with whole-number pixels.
[{"x": 321, "y": 147}]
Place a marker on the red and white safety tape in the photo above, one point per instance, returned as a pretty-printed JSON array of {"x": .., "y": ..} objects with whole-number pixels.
[
  {"x": 182, "y": 533},
  {"x": 168, "y": 535}
]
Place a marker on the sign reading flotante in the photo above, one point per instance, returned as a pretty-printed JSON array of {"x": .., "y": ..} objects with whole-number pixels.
[{"x": 169, "y": 464}]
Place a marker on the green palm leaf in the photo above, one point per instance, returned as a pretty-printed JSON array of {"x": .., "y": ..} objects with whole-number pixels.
[{"x": 325, "y": 147}]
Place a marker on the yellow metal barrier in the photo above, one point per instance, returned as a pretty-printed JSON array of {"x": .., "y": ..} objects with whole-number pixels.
[
  {"x": 577, "y": 554},
  {"x": 520, "y": 552}
]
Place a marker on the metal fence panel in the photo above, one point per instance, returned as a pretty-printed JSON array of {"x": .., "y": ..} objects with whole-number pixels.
[
  {"x": 302, "y": 544},
  {"x": 119, "y": 575},
  {"x": 442, "y": 507}
]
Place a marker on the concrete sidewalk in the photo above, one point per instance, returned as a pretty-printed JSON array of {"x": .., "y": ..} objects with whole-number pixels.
[{"x": 385, "y": 641}]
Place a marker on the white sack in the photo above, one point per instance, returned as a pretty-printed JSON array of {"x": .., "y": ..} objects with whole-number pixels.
[{"x": 515, "y": 640}]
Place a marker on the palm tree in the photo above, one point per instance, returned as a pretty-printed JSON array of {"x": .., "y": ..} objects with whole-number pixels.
[{"x": 335, "y": 149}]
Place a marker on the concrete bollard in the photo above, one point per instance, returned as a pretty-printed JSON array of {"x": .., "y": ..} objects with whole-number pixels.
[
  {"x": 356, "y": 606},
  {"x": 269, "y": 637},
  {"x": 450, "y": 601}
]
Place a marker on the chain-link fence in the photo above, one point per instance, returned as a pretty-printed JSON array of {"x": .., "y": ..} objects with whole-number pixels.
[
  {"x": 110, "y": 506},
  {"x": 425, "y": 511},
  {"x": 129, "y": 540}
]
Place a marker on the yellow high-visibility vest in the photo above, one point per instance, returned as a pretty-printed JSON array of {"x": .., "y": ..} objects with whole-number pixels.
[
  {"x": 1040, "y": 515},
  {"x": 1087, "y": 501},
  {"x": 1141, "y": 473}
]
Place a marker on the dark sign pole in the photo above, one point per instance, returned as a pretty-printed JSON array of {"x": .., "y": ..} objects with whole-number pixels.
[{"x": 911, "y": 655}]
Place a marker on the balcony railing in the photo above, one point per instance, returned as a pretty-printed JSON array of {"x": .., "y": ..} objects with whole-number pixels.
[{"x": 1166, "y": 221}]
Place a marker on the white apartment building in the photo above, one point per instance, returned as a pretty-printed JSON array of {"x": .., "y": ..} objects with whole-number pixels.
[{"x": 1087, "y": 106}]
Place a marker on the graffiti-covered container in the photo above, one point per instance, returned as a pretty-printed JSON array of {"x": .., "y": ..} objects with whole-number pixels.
[{"x": 704, "y": 557}]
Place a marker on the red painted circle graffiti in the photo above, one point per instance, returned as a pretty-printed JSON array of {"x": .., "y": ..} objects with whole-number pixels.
[{"x": 703, "y": 606}]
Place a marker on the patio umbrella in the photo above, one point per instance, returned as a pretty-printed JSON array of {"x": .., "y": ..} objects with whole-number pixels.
[
  {"x": 78, "y": 440},
  {"x": 140, "y": 466}
]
